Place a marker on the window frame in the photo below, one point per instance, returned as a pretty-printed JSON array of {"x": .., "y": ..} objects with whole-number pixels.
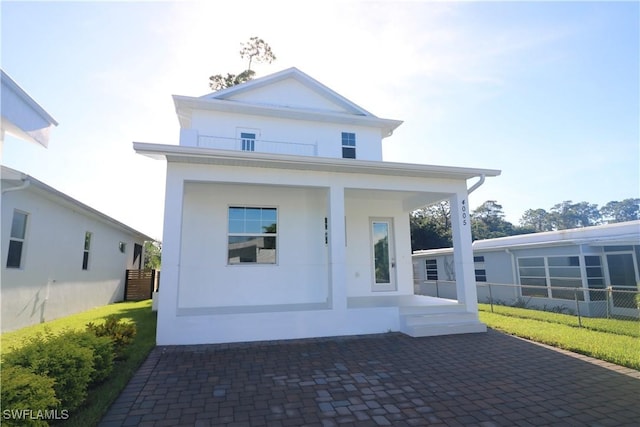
[
  {"x": 86, "y": 251},
  {"x": 348, "y": 145},
  {"x": 431, "y": 269},
  {"x": 480, "y": 269},
  {"x": 231, "y": 234},
  {"x": 555, "y": 272},
  {"x": 17, "y": 241}
]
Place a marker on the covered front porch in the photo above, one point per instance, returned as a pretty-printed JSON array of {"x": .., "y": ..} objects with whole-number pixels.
[{"x": 340, "y": 252}]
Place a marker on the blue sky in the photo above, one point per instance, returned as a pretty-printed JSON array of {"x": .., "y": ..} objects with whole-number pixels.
[{"x": 548, "y": 92}]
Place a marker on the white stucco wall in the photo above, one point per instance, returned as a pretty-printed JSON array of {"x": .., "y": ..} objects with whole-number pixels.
[
  {"x": 327, "y": 136},
  {"x": 206, "y": 278},
  {"x": 359, "y": 250},
  {"x": 50, "y": 282}
]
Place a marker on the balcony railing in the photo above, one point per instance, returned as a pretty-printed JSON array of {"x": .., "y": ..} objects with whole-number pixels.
[{"x": 259, "y": 145}]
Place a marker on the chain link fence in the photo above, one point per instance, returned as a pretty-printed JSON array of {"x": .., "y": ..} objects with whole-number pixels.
[{"x": 609, "y": 302}]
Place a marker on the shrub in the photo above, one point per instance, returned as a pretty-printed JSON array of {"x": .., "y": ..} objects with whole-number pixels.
[
  {"x": 121, "y": 333},
  {"x": 24, "y": 390},
  {"x": 103, "y": 352},
  {"x": 64, "y": 361}
]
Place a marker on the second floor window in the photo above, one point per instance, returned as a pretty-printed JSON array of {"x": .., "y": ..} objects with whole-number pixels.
[
  {"x": 348, "y": 145},
  {"x": 248, "y": 141}
]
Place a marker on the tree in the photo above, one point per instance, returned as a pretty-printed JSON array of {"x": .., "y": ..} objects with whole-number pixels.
[
  {"x": 152, "y": 255},
  {"x": 626, "y": 210},
  {"x": 537, "y": 220},
  {"x": 255, "y": 50},
  {"x": 567, "y": 215},
  {"x": 487, "y": 222},
  {"x": 431, "y": 227}
]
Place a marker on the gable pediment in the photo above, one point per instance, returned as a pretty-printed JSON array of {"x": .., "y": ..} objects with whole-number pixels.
[{"x": 290, "y": 89}]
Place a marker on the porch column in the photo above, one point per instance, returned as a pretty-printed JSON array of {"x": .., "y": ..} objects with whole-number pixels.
[
  {"x": 462, "y": 251},
  {"x": 337, "y": 248},
  {"x": 168, "y": 294}
]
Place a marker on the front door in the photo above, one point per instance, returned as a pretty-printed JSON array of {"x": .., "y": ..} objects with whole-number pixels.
[{"x": 383, "y": 254}]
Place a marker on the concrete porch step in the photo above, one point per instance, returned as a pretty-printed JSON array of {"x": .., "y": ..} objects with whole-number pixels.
[
  {"x": 424, "y": 325},
  {"x": 453, "y": 307}
]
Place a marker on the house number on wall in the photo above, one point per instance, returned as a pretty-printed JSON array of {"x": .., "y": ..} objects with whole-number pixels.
[{"x": 464, "y": 212}]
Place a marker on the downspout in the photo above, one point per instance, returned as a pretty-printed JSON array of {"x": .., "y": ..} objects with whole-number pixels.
[
  {"x": 476, "y": 185},
  {"x": 25, "y": 183}
]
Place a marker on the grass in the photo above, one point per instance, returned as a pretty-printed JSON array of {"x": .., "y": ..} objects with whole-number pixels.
[
  {"x": 614, "y": 326},
  {"x": 614, "y": 341},
  {"x": 101, "y": 396}
]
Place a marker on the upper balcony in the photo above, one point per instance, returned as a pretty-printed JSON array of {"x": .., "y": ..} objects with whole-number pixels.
[{"x": 258, "y": 145}]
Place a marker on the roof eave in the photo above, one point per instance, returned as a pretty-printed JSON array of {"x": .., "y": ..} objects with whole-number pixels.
[{"x": 175, "y": 153}]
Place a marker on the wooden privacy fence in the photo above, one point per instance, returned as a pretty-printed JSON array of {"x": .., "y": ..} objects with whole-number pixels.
[{"x": 140, "y": 284}]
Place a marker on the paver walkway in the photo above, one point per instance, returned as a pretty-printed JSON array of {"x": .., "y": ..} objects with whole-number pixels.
[{"x": 487, "y": 380}]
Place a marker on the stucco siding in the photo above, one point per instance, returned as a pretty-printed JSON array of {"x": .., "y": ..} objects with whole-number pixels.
[
  {"x": 327, "y": 136},
  {"x": 50, "y": 282},
  {"x": 208, "y": 280}
]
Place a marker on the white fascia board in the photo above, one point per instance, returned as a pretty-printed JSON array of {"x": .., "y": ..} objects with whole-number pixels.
[
  {"x": 185, "y": 106},
  {"x": 9, "y": 174},
  {"x": 9, "y": 83},
  {"x": 181, "y": 154}
]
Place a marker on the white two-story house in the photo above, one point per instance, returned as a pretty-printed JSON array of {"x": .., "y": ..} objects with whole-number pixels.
[{"x": 282, "y": 220}]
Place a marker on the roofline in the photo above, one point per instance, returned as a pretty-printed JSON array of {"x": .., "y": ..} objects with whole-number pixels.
[
  {"x": 546, "y": 239},
  {"x": 11, "y": 84},
  {"x": 176, "y": 153},
  {"x": 42, "y": 186},
  {"x": 281, "y": 75}
]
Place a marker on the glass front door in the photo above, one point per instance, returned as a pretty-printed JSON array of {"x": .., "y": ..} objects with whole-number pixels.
[{"x": 384, "y": 262}]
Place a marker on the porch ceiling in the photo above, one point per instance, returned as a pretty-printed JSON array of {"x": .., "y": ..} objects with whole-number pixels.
[{"x": 411, "y": 200}]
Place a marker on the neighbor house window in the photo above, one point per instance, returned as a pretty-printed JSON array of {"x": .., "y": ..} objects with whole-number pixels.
[
  {"x": 16, "y": 239},
  {"x": 87, "y": 248},
  {"x": 595, "y": 277},
  {"x": 253, "y": 235},
  {"x": 543, "y": 276},
  {"x": 348, "y": 145},
  {"x": 431, "y": 266},
  {"x": 533, "y": 277},
  {"x": 481, "y": 272},
  {"x": 248, "y": 141}
]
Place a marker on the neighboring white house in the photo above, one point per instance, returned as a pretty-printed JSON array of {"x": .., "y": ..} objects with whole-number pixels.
[
  {"x": 282, "y": 221},
  {"x": 584, "y": 262},
  {"x": 59, "y": 256},
  {"x": 21, "y": 116}
]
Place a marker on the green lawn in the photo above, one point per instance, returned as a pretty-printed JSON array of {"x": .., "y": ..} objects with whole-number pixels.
[
  {"x": 101, "y": 396},
  {"x": 615, "y": 341}
]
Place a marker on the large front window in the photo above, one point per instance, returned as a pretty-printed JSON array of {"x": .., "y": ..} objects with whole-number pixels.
[{"x": 252, "y": 235}]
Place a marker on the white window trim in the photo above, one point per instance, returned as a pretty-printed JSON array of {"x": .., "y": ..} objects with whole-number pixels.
[
  {"x": 275, "y": 235},
  {"x": 23, "y": 240}
]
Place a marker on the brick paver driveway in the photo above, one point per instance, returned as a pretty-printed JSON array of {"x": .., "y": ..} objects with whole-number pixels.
[{"x": 487, "y": 379}]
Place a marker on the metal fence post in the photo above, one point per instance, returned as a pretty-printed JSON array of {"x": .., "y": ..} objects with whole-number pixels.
[
  {"x": 490, "y": 297},
  {"x": 607, "y": 299},
  {"x": 575, "y": 294}
]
